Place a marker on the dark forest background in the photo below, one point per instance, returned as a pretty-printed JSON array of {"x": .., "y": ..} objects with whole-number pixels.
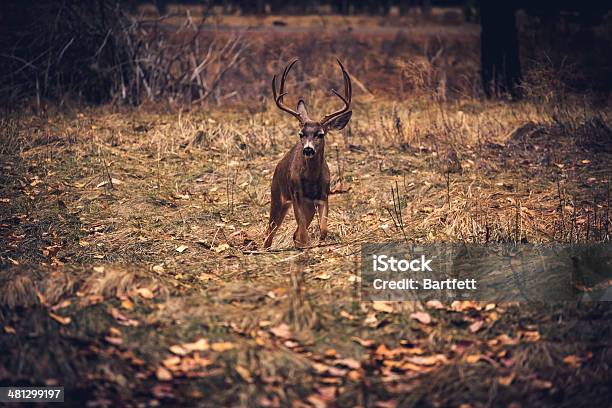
[{"x": 135, "y": 51}]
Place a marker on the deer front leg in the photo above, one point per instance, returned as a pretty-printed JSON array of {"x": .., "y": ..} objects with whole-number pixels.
[
  {"x": 304, "y": 213},
  {"x": 323, "y": 207}
]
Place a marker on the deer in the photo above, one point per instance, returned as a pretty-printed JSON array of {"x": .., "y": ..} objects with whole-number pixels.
[{"x": 301, "y": 178}]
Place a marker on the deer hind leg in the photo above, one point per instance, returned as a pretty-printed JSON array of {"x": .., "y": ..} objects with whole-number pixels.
[
  {"x": 304, "y": 213},
  {"x": 278, "y": 210},
  {"x": 323, "y": 208}
]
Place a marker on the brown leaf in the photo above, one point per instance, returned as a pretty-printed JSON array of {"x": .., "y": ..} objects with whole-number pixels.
[
  {"x": 222, "y": 346},
  {"x": 541, "y": 384},
  {"x": 382, "y": 351},
  {"x": 330, "y": 353},
  {"x": 199, "y": 345},
  {"x": 9, "y": 330},
  {"x": 163, "y": 374},
  {"x": 60, "y": 319},
  {"x": 506, "y": 380},
  {"x": 477, "y": 325},
  {"x": 384, "y": 307},
  {"x": 162, "y": 390},
  {"x": 434, "y": 304},
  {"x": 145, "y": 293},
  {"x": 422, "y": 317},
  {"x": 531, "y": 336},
  {"x": 324, "y": 369},
  {"x": 346, "y": 315},
  {"x": 349, "y": 363},
  {"x": 245, "y": 374},
  {"x": 362, "y": 342},
  {"x": 282, "y": 331},
  {"x": 171, "y": 362},
  {"x": 114, "y": 340},
  {"x": 179, "y": 350},
  {"x": 472, "y": 358},
  {"x": 573, "y": 361},
  {"x": 122, "y": 319},
  {"x": 127, "y": 304},
  {"x": 428, "y": 360},
  {"x": 61, "y": 305}
]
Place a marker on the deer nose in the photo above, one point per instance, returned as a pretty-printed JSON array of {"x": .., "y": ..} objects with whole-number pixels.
[{"x": 309, "y": 151}]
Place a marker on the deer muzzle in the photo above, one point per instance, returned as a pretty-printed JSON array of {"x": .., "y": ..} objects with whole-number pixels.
[{"x": 309, "y": 150}]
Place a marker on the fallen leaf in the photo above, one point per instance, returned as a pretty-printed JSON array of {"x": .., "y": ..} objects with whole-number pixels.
[
  {"x": 323, "y": 276},
  {"x": 422, "y": 317},
  {"x": 163, "y": 374},
  {"x": 158, "y": 268},
  {"x": 330, "y": 353},
  {"x": 573, "y": 361},
  {"x": 384, "y": 307},
  {"x": 114, "y": 340},
  {"x": 427, "y": 360},
  {"x": 222, "y": 247},
  {"x": 127, "y": 304},
  {"x": 477, "y": 325},
  {"x": 199, "y": 345},
  {"x": 349, "y": 363},
  {"x": 472, "y": 358},
  {"x": 490, "y": 306},
  {"x": 362, "y": 342},
  {"x": 162, "y": 390},
  {"x": 60, "y": 319},
  {"x": 434, "y": 304},
  {"x": 171, "y": 362},
  {"x": 282, "y": 331},
  {"x": 324, "y": 369},
  {"x": 181, "y": 248},
  {"x": 346, "y": 315},
  {"x": 178, "y": 350},
  {"x": 541, "y": 384},
  {"x": 531, "y": 336},
  {"x": 9, "y": 330},
  {"x": 506, "y": 380},
  {"x": 145, "y": 293},
  {"x": 123, "y": 319},
  {"x": 245, "y": 374},
  {"x": 222, "y": 346}
]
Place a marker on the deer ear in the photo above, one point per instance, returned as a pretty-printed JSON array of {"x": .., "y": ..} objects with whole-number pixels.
[
  {"x": 339, "y": 122},
  {"x": 301, "y": 109}
]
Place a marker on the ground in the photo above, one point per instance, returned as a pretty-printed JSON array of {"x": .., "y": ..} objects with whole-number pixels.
[{"x": 132, "y": 267}]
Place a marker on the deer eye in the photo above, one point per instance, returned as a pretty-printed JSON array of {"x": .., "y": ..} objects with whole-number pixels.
[
  {"x": 301, "y": 134},
  {"x": 320, "y": 135}
]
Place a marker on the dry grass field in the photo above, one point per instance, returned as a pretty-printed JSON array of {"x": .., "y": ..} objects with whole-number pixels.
[{"x": 132, "y": 270}]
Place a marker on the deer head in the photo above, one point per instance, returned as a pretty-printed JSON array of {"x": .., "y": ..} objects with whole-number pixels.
[{"x": 312, "y": 133}]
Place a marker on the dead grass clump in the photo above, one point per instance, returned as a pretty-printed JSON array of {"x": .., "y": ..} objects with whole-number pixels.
[
  {"x": 594, "y": 134},
  {"x": 25, "y": 287},
  {"x": 115, "y": 281}
]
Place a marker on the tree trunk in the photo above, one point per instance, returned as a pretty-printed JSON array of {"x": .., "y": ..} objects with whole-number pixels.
[{"x": 500, "y": 64}]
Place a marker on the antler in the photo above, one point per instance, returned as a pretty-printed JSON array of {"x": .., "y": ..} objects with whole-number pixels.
[
  {"x": 348, "y": 92},
  {"x": 278, "y": 98}
]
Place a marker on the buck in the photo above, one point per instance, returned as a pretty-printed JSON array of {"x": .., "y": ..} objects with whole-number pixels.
[{"x": 301, "y": 178}]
